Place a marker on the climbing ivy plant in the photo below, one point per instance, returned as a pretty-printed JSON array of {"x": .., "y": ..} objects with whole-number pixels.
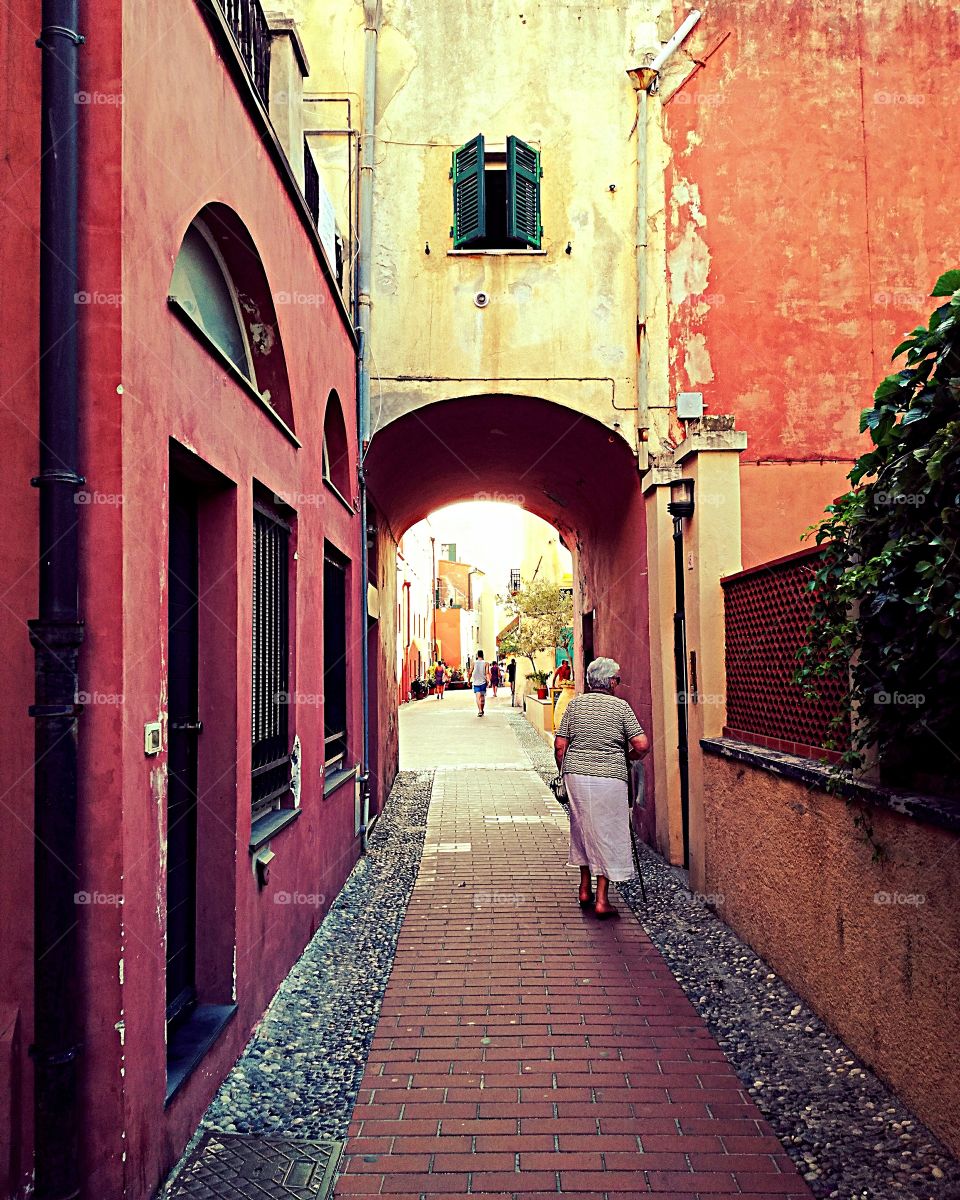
[{"x": 887, "y": 587}]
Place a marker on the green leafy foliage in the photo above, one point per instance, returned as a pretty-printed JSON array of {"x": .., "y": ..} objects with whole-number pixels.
[
  {"x": 887, "y": 607},
  {"x": 544, "y": 612}
]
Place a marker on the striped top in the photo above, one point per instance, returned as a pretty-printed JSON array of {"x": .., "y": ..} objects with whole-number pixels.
[{"x": 599, "y": 728}]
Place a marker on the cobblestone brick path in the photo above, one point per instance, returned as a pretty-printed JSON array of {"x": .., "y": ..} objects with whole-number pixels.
[{"x": 525, "y": 1048}]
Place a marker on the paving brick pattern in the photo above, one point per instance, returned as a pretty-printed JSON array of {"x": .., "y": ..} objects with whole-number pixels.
[{"x": 525, "y": 1048}]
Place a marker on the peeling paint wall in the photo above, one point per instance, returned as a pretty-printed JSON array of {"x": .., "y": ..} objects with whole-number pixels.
[
  {"x": 806, "y": 222},
  {"x": 558, "y": 325}
]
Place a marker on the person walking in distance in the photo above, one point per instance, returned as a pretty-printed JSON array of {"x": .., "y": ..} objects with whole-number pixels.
[
  {"x": 479, "y": 678},
  {"x": 494, "y": 677},
  {"x": 597, "y": 734},
  {"x": 440, "y": 678},
  {"x": 512, "y": 679}
]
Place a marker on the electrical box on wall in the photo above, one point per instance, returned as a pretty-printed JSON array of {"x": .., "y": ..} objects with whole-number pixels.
[
  {"x": 151, "y": 738},
  {"x": 690, "y": 406}
]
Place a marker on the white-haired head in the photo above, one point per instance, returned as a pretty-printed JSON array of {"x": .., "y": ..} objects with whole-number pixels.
[{"x": 600, "y": 674}]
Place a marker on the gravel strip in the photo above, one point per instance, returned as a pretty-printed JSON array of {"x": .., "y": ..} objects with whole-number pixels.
[
  {"x": 301, "y": 1071},
  {"x": 852, "y": 1138}
]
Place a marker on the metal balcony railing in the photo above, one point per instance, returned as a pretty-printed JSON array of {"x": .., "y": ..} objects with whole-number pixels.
[{"x": 252, "y": 35}]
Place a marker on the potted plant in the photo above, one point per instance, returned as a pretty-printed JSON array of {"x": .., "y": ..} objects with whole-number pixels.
[{"x": 540, "y": 681}]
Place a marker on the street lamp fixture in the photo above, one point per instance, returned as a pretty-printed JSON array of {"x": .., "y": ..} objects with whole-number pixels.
[{"x": 681, "y": 498}]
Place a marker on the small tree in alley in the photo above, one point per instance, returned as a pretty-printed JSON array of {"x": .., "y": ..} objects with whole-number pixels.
[{"x": 544, "y": 611}]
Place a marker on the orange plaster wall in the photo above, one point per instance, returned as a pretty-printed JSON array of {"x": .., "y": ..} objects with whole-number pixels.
[
  {"x": 448, "y": 635},
  {"x": 872, "y": 947},
  {"x": 807, "y": 220},
  {"x": 779, "y": 502}
]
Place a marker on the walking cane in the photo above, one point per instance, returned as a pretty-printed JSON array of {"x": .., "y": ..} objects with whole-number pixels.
[{"x": 634, "y": 792}]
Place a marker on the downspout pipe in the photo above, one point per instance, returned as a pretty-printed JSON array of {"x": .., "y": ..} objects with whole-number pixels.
[
  {"x": 680, "y": 672},
  {"x": 57, "y": 633},
  {"x": 372, "y": 16},
  {"x": 646, "y": 81}
]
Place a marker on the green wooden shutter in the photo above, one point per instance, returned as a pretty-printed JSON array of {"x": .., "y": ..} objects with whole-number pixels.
[
  {"x": 469, "y": 193},
  {"x": 523, "y": 193}
]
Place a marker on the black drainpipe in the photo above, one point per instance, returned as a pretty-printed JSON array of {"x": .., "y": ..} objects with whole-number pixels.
[
  {"x": 679, "y": 509},
  {"x": 57, "y": 633},
  {"x": 680, "y": 671}
]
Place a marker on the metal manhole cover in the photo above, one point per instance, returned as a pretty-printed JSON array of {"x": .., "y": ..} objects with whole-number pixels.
[{"x": 230, "y": 1166}]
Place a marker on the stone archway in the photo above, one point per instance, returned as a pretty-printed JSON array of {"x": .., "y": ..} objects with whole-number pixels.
[{"x": 566, "y": 467}]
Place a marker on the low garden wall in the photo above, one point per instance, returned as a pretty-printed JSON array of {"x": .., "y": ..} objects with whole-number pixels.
[
  {"x": 872, "y": 946},
  {"x": 540, "y": 715}
]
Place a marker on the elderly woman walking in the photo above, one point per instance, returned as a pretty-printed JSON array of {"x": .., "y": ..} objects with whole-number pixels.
[{"x": 597, "y": 735}]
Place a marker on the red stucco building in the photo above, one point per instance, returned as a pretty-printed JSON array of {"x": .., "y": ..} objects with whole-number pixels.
[{"x": 218, "y": 547}]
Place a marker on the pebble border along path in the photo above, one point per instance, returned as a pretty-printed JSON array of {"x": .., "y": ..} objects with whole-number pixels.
[
  {"x": 849, "y": 1134},
  {"x": 301, "y": 1071}
]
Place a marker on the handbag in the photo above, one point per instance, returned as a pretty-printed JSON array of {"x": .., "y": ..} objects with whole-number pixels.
[{"x": 559, "y": 789}]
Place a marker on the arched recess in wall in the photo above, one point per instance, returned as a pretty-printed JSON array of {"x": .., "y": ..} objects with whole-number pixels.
[
  {"x": 336, "y": 448},
  {"x": 220, "y": 286}
]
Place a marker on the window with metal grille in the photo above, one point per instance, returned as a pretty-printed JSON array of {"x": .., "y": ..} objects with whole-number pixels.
[
  {"x": 334, "y": 658},
  {"x": 496, "y": 196},
  {"x": 515, "y": 580},
  {"x": 271, "y": 701}
]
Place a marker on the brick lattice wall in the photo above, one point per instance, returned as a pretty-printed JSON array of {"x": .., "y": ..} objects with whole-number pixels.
[{"x": 766, "y": 612}]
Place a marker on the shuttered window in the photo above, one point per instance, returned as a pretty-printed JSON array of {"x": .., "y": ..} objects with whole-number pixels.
[
  {"x": 469, "y": 193},
  {"x": 271, "y": 707},
  {"x": 496, "y": 196},
  {"x": 523, "y": 193}
]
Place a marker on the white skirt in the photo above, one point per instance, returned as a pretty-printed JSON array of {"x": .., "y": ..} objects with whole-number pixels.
[{"x": 599, "y": 826}]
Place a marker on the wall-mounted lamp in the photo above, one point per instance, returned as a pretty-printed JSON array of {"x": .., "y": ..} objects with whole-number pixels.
[
  {"x": 681, "y": 498},
  {"x": 645, "y": 78},
  {"x": 641, "y": 78}
]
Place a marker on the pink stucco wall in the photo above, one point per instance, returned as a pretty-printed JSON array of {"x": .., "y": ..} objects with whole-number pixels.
[{"x": 153, "y": 152}]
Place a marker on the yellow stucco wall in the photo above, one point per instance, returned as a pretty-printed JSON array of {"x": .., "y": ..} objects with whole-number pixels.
[{"x": 557, "y": 325}]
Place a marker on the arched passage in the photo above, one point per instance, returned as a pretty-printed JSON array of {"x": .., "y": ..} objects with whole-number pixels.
[{"x": 562, "y": 465}]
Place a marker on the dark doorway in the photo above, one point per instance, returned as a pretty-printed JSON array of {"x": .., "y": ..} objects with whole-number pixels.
[
  {"x": 183, "y": 733},
  {"x": 587, "y": 636},
  {"x": 334, "y": 658}
]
